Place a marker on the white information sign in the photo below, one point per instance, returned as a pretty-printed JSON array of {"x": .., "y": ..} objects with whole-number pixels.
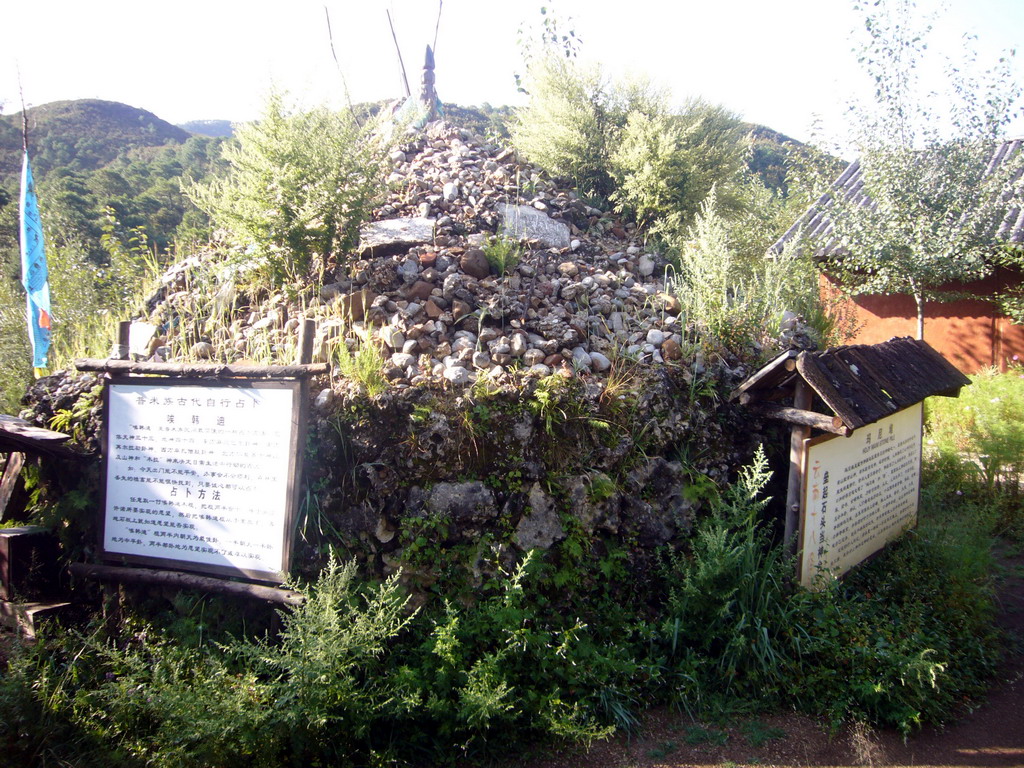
[
  {"x": 200, "y": 475},
  {"x": 859, "y": 493}
]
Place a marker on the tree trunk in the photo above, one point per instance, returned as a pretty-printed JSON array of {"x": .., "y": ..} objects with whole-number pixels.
[{"x": 919, "y": 300}]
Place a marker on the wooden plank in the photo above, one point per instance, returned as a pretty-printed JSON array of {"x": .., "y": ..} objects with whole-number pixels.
[
  {"x": 765, "y": 375},
  {"x": 952, "y": 378},
  {"x": 817, "y": 376},
  {"x": 862, "y": 395},
  {"x": 912, "y": 377},
  {"x": 20, "y": 435},
  {"x": 181, "y": 580},
  {"x": 11, "y": 425},
  {"x": 917, "y": 369},
  {"x": 15, "y": 461},
  {"x": 25, "y": 618},
  {"x": 204, "y": 370},
  {"x": 881, "y": 375}
]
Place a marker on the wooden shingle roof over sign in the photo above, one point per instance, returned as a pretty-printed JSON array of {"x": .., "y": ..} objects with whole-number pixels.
[
  {"x": 860, "y": 383},
  {"x": 816, "y": 224}
]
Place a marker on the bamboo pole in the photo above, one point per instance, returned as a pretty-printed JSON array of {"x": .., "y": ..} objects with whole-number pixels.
[
  {"x": 24, "y": 115},
  {"x": 405, "y": 79},
  {"x": 341, "y": 73},
  {"x": 437, "y": 25}
]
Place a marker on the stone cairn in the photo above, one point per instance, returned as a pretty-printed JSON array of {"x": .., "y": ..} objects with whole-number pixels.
[{"x": 421, "y": 286}]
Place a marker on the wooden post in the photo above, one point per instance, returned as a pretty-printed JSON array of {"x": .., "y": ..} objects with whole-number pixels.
[
  {"x": 801, "y": 400},
  {"x": 121, "y": 349},
  {"x": 800, "y": 417},
  {"x": 306, "y": 333}
]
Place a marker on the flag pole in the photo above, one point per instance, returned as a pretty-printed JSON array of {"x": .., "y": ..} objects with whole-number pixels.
[{"x": 24, "y": 114}]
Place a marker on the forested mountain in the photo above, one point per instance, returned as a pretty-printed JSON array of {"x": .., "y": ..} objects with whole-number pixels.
[
  {"x": 103, "y": 166},
  {"x": 770, "y": 157},
  {"x": 217, "y": 129},
  {"x": 82, "y": 135}
]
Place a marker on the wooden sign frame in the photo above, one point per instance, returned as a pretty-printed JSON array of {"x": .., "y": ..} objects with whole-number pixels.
[
  {"x": 194, "y": 403},
  {"x": 855, "y": 503}
]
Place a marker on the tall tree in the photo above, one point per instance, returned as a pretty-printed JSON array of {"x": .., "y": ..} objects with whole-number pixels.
[{"x": 933, "y": 202}]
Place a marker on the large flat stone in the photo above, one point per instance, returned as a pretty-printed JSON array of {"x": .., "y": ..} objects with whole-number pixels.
[
  {"x": 521, "y": 222},
  {"x": 541, "y": 526},
  {"x": 384, "y": 238}
]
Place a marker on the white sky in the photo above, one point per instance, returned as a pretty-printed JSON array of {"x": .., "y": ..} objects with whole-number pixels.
[{"x": 776, "y": 62}]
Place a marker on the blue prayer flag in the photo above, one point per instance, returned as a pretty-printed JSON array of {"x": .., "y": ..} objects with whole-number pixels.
[{"x": 33, "y": 269}]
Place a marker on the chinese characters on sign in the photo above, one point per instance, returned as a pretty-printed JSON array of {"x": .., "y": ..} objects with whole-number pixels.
[
  {"x": 200, "y": 474},
  {"x": 859, "y": 493}
]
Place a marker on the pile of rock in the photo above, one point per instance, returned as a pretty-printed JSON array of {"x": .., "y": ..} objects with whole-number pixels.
[
  {"x": 575, "y": 293},
  {"x": 577, "y": 296}
]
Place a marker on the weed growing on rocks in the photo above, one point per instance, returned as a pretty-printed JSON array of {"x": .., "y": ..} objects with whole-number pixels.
[{"x": 502, "y": 254}]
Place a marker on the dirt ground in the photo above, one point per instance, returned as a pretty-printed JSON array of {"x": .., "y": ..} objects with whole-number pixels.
[{"x": 990, "y": 735}]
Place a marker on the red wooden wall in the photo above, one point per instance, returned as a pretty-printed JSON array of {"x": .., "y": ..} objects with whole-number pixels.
[{"x": 970, "y": 333}]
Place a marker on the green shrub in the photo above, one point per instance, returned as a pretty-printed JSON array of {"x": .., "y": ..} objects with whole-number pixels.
[
  {"x": 903, "y": 640},
  {"x": 357, "y": 677},
  {"x": 729, "y": 302},
  {"x": 15, "y": 348},
  {"x": 37, "y": 689},
  {"x": 619, "y": 141},
  {"x": 505, "y": 666},
  {"x": 299, "y": 186},
  {"x": 647, "y": 168},
  {"x": 979, "y": 435},
  {"x": 906, "y": 639},
  {"x": 568, "y": 123},
  {"x": 731, "y": 624},
  {"x": 311, "y": 696},
  {"x": 354, "y": 677},
  {"x": 665, "y": 165}
]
